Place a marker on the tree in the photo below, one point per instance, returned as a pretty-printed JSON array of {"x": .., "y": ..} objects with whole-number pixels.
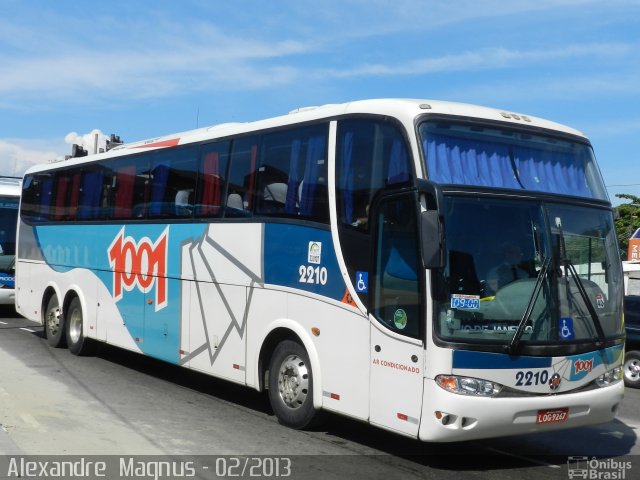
[{"x": 628, "y": 221}]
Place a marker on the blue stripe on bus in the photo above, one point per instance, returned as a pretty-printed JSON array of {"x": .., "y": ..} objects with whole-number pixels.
[
  {"x": 287, "y": 251},
  {"x": 159, "y": 330},
  {"x": 608, "y": 357},
  {"x": 464, "y": 359},
  {"x": 7, "y": 280}
]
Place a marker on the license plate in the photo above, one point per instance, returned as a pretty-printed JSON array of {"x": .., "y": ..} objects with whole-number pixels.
[{"x": 556, "y": 415}]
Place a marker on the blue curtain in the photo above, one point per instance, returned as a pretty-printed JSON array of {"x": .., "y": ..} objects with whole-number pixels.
[
  {"x": 315, "y": 153},
  {"x": 469, "y": 162},
  {"x": 398, "y": 163},
  {"x": 90, "y": 197},
  {"x": 291, "y": 203},
  {"x": 461, "y": 161},
  {"x": 46, "y": 196},
  {"x": 552, "y": 172},
  {"x": 160, "y": 176},
  {"x": 347, "y": 177},
  {"x": 46, "y": 192}
]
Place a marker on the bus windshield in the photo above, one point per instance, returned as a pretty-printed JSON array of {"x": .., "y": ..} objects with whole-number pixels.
[
  {"x": 489, "y": 286},
  {"x": 485, "y": 156}
]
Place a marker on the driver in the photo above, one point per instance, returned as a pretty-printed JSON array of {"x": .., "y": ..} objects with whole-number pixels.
[{"x": 509, "y": 270}]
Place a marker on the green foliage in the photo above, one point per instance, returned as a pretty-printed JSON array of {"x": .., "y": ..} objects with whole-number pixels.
[
  {"x": 585, "y": 250},
  {"x": 628, "y": 221}
]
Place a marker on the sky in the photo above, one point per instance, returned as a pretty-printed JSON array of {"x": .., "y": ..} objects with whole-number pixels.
[{"x": 141, "y": 69}]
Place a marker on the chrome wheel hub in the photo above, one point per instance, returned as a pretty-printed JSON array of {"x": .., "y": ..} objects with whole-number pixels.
[
  {"x": 632, "y": 370},
  {"x": 53, "y": 320},
  {"x": 293, "y": 381},
  {"x": 75, "y": 326}
]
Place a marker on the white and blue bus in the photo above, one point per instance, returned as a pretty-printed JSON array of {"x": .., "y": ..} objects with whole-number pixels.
[
  {"x": 9, "y": 201},
  {"x": 440, "y": 270}
]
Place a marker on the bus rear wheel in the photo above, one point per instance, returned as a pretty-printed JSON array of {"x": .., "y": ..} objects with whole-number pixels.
[
  {"x": 291, "y": 385},
  {"x": 77, "y": 341},
  {"x": 54, "y": 323}
]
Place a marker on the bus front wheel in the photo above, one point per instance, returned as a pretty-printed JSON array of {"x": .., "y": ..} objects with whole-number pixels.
[
  {"x": 54, "y": 323},
  {"x": 631, "y": 369},
  {"x": 291, "y": 385},
  {"x": 77, "y": 341}
]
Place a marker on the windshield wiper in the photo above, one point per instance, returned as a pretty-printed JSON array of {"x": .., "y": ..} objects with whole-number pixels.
[
  {"x": 583, "y": 293},
  {"x": 515, "y": 341},
  {"x": 569, "y": 267}
]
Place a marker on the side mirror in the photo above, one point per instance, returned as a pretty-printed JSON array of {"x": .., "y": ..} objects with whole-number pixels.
[
  {"x": 431, "y": 239},
  {"x": 431, "y": 234}
]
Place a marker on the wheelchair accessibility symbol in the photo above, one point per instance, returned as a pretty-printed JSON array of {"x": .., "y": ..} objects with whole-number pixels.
[
  {"x": 566, "y": 328},
  {"x": 362, "y": 282}
]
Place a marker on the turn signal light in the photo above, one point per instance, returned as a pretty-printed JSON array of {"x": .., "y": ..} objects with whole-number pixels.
[{"x": 468, "y": 385}]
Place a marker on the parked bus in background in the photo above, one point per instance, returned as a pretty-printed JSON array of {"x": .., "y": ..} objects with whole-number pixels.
[
  {"x": 9, "y": 200},
  {"x": 631, "y": 367},
  {"x": 440, "y": 270}
]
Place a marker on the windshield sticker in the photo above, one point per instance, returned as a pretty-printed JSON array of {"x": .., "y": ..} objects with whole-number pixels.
[
  {"x": 566, "y": 328},
  {"x": 494, "y": 327},
  {"x": 315, "y": 252},
  {"x": 471, "y": 302},
  {"x": 400, "y": 319},
  {"x": 348, "y": 299},
  {"x": 600, "y": 300},
  {"x": 362, "y": 282}
]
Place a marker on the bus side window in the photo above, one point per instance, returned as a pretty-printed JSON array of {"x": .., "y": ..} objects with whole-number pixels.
[
  {"x": 63, "y": 187},
  {"x": 94, "y": 193},
  {"x": 158, "y": 180},
  {"x": 312, "y": 189},
  {"x": 397, "y": 295},
  {"x": 173, "y": 181},
  {"x": 37, "y": 192},
  {"x": 29, "y": 197},
  {"x": 129, "y": 187},
  {"x": 212, "y": 171},
  {"x": 125, "y": 176},
  {"x": 292, "y": 176},
  {"x": 273, "y": 172},
  {"x": 371, "y": 155},
  {"x": 66, "y": 195},
  {"x": 242, "y": 176}
]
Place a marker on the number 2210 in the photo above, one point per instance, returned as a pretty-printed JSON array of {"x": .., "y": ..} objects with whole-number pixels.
[
  {"x": 309, "y": 274},
  {"x": 529, "y": 378}
]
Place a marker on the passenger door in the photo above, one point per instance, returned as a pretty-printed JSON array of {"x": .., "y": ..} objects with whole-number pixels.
[{"x": 396, "y": 315}]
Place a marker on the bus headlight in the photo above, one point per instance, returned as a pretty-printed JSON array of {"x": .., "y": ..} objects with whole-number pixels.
[
  {"x": 610, "y": 377},
  {"x": 468, "y": 385}
]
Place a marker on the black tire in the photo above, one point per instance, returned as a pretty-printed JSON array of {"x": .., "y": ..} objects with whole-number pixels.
[
  {"x": 291, "y": 386},
  {"x": 631, "y": 369},
  {"x": 78, "y": 343},
  {"x": 54, "y": 323}
]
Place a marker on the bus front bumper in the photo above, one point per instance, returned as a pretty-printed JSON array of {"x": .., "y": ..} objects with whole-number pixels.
[
  {"x": 7, "y": 296},
  {"x": 449, "y": 417}
]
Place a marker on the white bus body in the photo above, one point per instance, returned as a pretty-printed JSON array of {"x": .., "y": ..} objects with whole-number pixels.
[{"x": 337, "y": 257}]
